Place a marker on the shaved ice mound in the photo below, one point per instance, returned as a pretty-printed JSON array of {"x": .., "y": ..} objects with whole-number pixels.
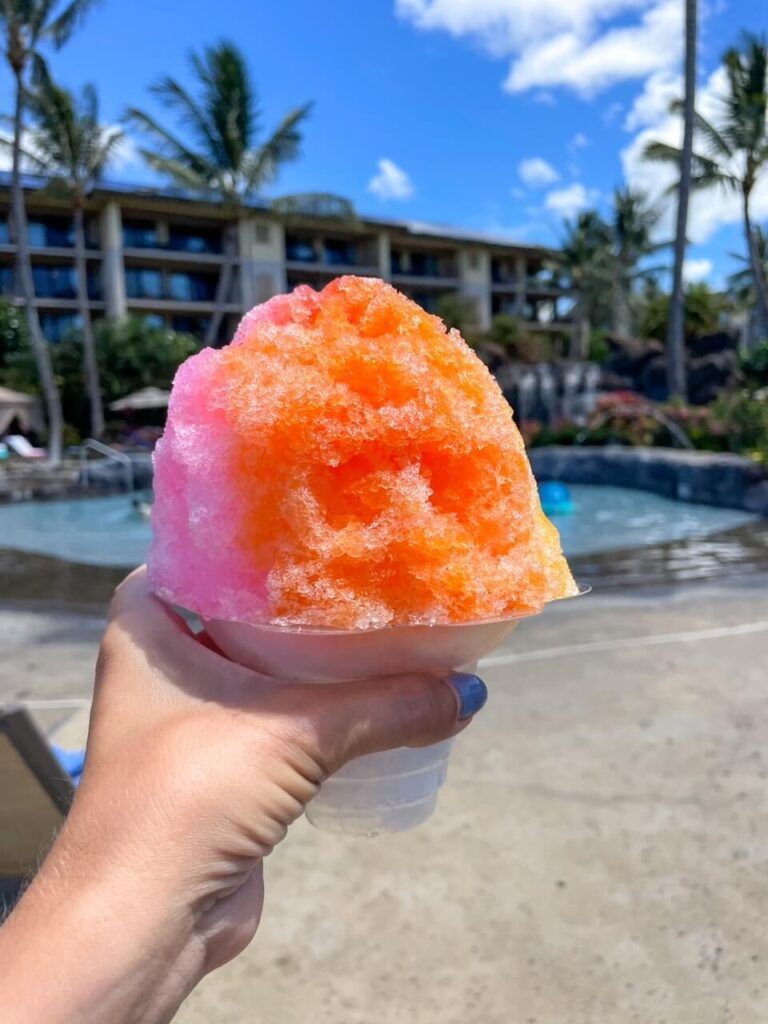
[{"x": 347, "y": 463}]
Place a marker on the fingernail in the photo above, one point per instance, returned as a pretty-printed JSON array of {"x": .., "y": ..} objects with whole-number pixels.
[{"x": 471, "y": 691}]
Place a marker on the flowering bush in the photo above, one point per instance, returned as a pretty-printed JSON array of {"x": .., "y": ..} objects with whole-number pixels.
[{"x": 736, "y": 422}]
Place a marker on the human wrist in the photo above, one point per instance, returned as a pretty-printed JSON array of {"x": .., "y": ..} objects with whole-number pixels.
[{"x": 109, "y": 951}]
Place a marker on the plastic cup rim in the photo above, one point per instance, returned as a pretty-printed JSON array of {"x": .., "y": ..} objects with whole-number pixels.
[{"x": 270, "y": 627}]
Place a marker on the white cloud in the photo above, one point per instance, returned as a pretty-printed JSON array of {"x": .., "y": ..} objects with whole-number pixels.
[
  {"x": 652, "y": 104},
  {"x": 709, "y": 210},
  {"x": 572, "y": 43},
  {"x": 579, "y": 141},
  {"x": 566, "y": 202},
  {"x": 535, "y": 172},
  {"x": 390, "y": 181},
  {"x": 697, "y": 270},
  {"x": 126, "y": 153}
]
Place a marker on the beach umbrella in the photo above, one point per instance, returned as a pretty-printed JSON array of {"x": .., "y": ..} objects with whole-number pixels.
[
  {"x": 16, "y": 405},
  {"x": 147, "y": 398}
]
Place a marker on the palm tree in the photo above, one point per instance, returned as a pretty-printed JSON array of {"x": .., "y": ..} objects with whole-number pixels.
[
  {"x": 26, "y": 25},
  {"x": 71, "y": 146},
  {"x": 741, "y": 284},
  {"x": 735, "y": 149},
  {"x": 224, "y": 158},
  {"x": 585, "y": 256},
  {"x": 676, "y": 368},
  {"x": 633, "y": 221}
]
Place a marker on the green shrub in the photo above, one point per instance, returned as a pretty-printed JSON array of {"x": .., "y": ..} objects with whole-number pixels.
[
  {"x": 703, "y": 311},
  {"x": 131, "y": 356},
  {"x": 754, "y": 365}
]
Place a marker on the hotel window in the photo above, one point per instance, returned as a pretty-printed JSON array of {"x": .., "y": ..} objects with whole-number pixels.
[
  {"x": 339, "y": 252},
  {"x": 58, "y": 326},
  {"x": 194, "y": 240},
  {"x": 143, "y": 283},
  {"x": 49, "y": 232},
  {"x": 300, "y": 250},
  {"x": 55, "y": 282},
  {"x": 140, "y": 234},
  {"x": 192, "y": 287}
]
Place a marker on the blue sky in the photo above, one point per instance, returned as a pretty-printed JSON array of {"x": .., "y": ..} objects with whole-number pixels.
[{"x": 500, "y": 115}]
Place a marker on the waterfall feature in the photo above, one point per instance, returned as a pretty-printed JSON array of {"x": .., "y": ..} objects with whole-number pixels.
[{"x": 550, "y": 391}]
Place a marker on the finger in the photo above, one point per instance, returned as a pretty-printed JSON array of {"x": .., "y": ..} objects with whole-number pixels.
[
  {"x": 347, "y": 720},
  {"x": 142, "y": 626},
  {"x": 133, "y": 599}
]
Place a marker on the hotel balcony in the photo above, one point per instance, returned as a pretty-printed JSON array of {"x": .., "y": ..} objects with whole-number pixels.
[
  {"x": 422, "y": 269},
  {"x": 51, "y": 238},
  {"x": 504, "y": 275},
  {"x": 172, "y": 243},
  {"x": 308, "y": 258}
]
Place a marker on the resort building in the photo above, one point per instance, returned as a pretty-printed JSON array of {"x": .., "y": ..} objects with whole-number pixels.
[{"x": 158, "y": 255}]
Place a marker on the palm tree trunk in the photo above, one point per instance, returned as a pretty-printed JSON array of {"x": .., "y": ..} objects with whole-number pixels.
[
  {"x": 25, "y": 286},
  {"x": 580, "y": 337},
  {"x": 676, "y": 368},
  {"x": 224, "y": 285},
  {"x": 621, "y": 320},
  {"x": 90, "y": 363},
  {"x": 758, "y": 270}
]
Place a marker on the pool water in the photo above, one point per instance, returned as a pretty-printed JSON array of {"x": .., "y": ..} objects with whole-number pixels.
[
  {"x": 111, "y": 532},
  {"x": 616, "y": 518}
]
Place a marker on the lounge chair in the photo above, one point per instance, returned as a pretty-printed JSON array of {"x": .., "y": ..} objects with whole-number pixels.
[
  {"x": 21, "y": 445},
  {"x": 35, "y": 794}
]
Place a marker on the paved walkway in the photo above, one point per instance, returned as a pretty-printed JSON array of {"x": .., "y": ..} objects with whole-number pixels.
[{"x": 599, "y": 854}]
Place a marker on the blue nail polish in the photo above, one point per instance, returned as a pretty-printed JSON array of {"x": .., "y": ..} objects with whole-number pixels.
[{"x": 472, "y": 692}]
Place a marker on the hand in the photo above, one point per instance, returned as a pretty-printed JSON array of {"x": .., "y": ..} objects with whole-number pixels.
[{"x": 195, "y": 768}]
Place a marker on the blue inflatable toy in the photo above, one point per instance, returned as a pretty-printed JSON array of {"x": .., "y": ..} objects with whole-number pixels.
[{"x": 555, "y": 498}]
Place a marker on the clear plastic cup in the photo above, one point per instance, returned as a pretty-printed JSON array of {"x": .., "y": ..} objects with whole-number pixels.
[{"x": 394, "y": 790}]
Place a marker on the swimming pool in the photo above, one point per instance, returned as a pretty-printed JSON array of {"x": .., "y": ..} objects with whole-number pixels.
[{"x": 111, "y": 532}]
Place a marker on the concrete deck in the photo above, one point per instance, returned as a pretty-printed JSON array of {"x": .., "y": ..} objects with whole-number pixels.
[{"x": 599, "y": 853}]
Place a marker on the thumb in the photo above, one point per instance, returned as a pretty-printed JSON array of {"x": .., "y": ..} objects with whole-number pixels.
[{"x": 349, "y": 720}]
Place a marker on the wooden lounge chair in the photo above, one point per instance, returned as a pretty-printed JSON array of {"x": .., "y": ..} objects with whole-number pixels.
[{"x": 35, "y": 794}]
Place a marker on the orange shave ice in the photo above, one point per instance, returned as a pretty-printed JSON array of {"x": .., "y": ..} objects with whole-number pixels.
[{"x": 347, "y": 462}]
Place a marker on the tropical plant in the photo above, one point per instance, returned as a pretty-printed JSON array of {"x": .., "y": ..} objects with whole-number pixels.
[
  {"x": 26, "y": 26},
  {"x": 632, "y": 225},
  {"x": 754, "y": 366},
  {"x": 702, "y": 312},
  {"x": 676, "y": 364},
  {"x": 741, "y": 286},
  {"x": 735, "y": 144},
  {"x": 131, "y": 356},
  {"x": 585, "y": 257},
  {"x": 220, "y": 153},
  {"x": 741, "y": 282},
  {"x": 457, "y": 311},
  {"x": 73, "y": 149},
  {"x": 505, "y": 331}
]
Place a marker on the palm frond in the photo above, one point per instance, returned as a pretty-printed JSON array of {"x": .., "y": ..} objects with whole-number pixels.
[
  {"x": 262, "y": 165},
  {"x": 214, "y": 145},
  {"x": 191, "y": 115},
  {"x": 662, "y": 152},
  {"x": 60, "y": 30},
  {"x": 178, "y": 171},
  {"x": 715, "y": 140},
  {"x": 171, "y": 147},
  {"x": 230, "y": 101},
  {"x": 38, "y": 165}
]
